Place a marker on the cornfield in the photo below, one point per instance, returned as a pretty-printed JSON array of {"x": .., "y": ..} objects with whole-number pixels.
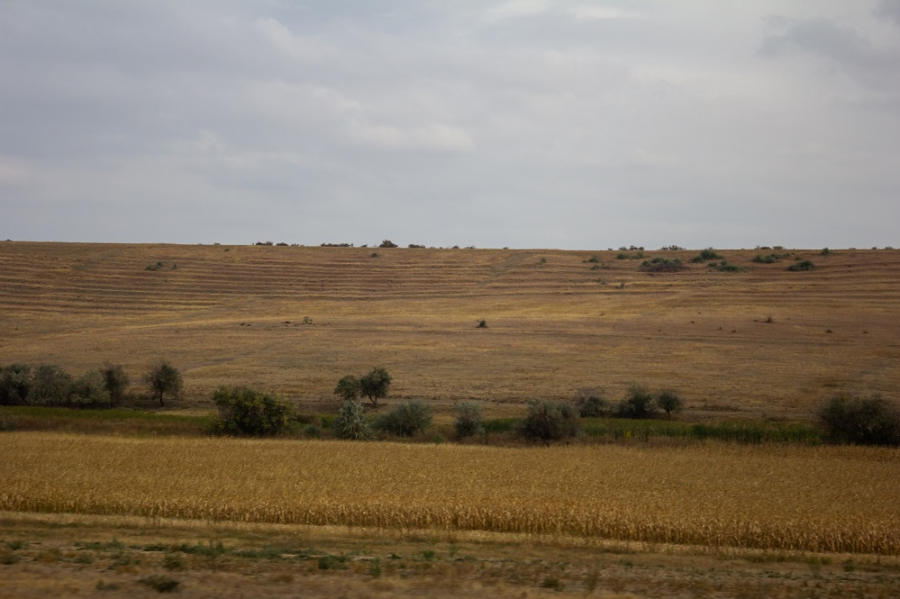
[{"x": 839, "y": 499}]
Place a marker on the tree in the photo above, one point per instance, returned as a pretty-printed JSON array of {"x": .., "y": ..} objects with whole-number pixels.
[
  {"x": 116, "y": 381},
  {"x": 638, "y": 404},
  {"x": 670, "y": 402},
  {"x": 51, "y": 386},
  {"x": 591, "y": 403},
  {"x": 406, "y": 419},
  {"x": 15, "y": 383},
  {"x": 861, "y": 420},
  {"x": 348, "y": 388},
  {"x": 244, "y": 411},
  {"x": 375, "y": 385},
  {"x": 89, "y": 391},
  {"x": 351, "y": 422},
  {"x": 164, "y": 379},
  {"x": 550, "y": 421}
]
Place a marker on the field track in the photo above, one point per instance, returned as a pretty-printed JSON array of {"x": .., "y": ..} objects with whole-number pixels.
[{"x": 557, "y": 322}]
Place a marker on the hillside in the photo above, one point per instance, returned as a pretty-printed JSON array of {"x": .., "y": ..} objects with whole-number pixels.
[{"x": 295, "y": 319}]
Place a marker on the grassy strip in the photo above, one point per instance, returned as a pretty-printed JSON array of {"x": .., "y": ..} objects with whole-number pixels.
[
  {"x": 119, "y": 421},
  {"x": 740, "y": 432}
]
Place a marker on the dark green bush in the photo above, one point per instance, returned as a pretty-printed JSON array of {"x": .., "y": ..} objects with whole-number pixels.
[
  {"x": 591, "y": 404},
  {"x": 726, "y": 266},
  {"x": 638, "y": 404},
  {"x": 769, "y": 259},
  {"x": 662, "y": 265},
  {"x": 116, "y": 381},
  {"x": 15, "y": 384},
  {"x": 351, "y": 422},
  {"x": 348, "y": 388},
  {"x": 164, "y": 379},
  {"x": 861, "y": 421},
  {"x": 244, "y": 411},
  {"x": 89, "y": 391},
  {"x": 549, "y": 421},
  {"x": 51, "y": 386},
  {"x": 670, "y": 402},
  {"x": 801, "y": 266},
  {"x": 375, "y": 385},
  {"x": 468, "y": 419},
  {"x": 406, "y": 419},
  {"x": 705, "y": 256}
]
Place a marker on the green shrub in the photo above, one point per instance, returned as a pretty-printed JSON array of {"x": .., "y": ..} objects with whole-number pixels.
[
  {"x": 705, "y": 256},
  {"x": 375, "y": 385},
  {"x": 769, "y": 259},
  {"x": 89, "y": 391},
  {"x": 662, "y": 265},
  {"x": 348, "y": 388},
  {"x": 726, "y": 266},
  {"x": 637, "y": 404},
  {"x": 549, "y": 421},
  {"x": 51, "y": 386},
  {"x": 591, "y": 404},
  {"x": 802, "y": 266},
  {"x": 351, "y": 422},
  {"x": 861, "y": 420},
  {"x": 468, "y": 419},
  {"x": 243, "y": 411},
  {"x": 406, "y": 419},
  {"x": 15, "y": 384},
  {"x": 160, "y": 584}
]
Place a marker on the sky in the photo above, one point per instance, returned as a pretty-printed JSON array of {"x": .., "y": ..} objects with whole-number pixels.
[{"x": 523, "y": 124}]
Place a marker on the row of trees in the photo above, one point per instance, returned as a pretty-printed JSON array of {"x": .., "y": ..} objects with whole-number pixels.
[{"x": 106, "y": 387}]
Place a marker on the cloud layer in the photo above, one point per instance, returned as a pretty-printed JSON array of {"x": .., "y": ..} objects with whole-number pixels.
[{"x": 520, "y": 123}]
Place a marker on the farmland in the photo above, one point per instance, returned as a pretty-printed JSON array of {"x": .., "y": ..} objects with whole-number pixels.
[{"x": 143, "y": 499}]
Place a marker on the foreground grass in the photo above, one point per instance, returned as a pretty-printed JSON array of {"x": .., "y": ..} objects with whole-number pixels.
[
  {"x": 116, "y": 421},
  {"x": 767, "y": 497}
]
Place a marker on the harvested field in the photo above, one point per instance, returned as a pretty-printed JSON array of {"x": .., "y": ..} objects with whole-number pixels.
[
  {"x": 834, "y": 499},
  {"x": 557, "y": 321}
]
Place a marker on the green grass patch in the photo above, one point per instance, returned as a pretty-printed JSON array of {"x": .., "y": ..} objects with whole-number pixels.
[{"x": 618, "y": 429}]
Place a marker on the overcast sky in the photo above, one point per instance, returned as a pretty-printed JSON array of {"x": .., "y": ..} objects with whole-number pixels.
[{"x": 527, "y": 123}]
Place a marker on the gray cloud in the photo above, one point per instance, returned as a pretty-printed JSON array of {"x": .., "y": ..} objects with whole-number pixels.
[{"x": 567, "y": 124}]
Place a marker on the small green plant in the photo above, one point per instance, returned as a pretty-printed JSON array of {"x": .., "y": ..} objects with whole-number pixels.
[
  {"x": 333, "y": 562},
  {"x": 802, "y": 265},
  {"x": 726, "y": 266},
  {"x": 154, "y": 267},
  {"x": 351, "y": 422},
  {"x": 595, "y": 258},
  {"x": 469, "y": 420},
  {"x": 173, "y": 562},
  {"x": 406, "y": 419},
  {"x": 482, "y": 324}
]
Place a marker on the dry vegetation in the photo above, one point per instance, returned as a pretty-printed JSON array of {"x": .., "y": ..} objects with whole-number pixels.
[
  {"x": 778, "y": 498},
  {"x": 556, "y": 321}
]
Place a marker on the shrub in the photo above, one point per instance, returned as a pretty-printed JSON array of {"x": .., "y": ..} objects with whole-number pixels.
[
  {"x": 662, "y": 265},
  {"x": 801, "y": 266},
  {"x": 89, "y": 391},
  {"x": 591, "y": 404},
  {"x": 164, "y": 379},
  {"x": 768, "y": 259},
  {"x": 375, "y": 385},
  {"x": 637, "y": 404},
  {"x": 15, "y": 383},
  {"x": 116, "y": 381},
  {"x": 244, "y": 411},
  {"x": 726, "y": 266},
  {"x": 670, "y": 402},
  {"x": 706, "y": 255},
  {"x": 468, "y": 419},
  {"x": 51, "y": 386},
  {"x": 406, "y": 420},
  {"x": 387, "y": 243},
  {"x": 482, "y": 324},
  {"x": 351, "y": 422},
  {"x": 861, "y": 420},
  {"x": 549, "y": 421}
]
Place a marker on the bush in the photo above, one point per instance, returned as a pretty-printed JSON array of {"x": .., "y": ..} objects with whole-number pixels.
[
  {"x": 706, "y": 255},
  {"x": 244, "y": 411},
  {"x": 862, "y": 421},
  {"x": 549, "y": 421},
  {"x": 164, "y": 379},
  {"x": 116, "y": 382},
  {"x": 387, "y": 243},
  {"x": 670, "y": 402},
  {"x": 15, "y": 384},
  {"x": 351, "y": 422},
  {"x": 638, "y": 404},
  {"x": 406, "y": 420},
  {"x": 51, "y": 386},
  {"x": 801, "y": 266},
  {"x": 662, "y": 265},
  {"x": 591, "y": 404},
  {"x": 90, "y": 391},
  {"x": 469, "y": 420},
  {"x": 726, "y": 266},
  {"x": 348, "y": 388}
]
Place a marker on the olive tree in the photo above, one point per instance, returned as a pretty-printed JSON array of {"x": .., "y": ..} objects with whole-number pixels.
[{"x": 164, "y": 379}]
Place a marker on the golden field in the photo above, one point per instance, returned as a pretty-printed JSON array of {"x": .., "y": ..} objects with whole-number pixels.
[
  {"x": 556, "y": 322},
  {"x": 824, "y": 499}
]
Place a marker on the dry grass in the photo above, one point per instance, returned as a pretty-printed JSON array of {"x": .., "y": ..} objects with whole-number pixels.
[
  {"x": 779, "y": 498},
  {"x": 234, "y": 315}
]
